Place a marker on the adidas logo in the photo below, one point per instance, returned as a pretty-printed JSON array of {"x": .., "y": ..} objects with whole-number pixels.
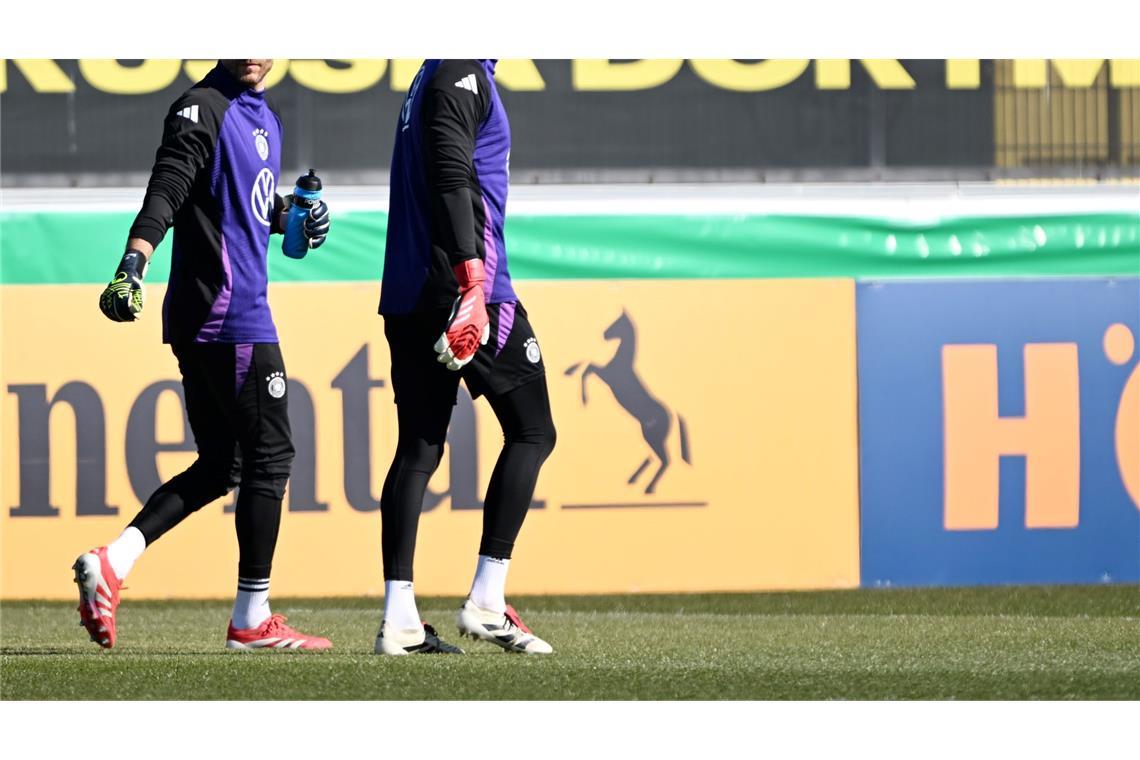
[
  {"x": 468, "y": 83},
  {"x": 190, "y": 112}
]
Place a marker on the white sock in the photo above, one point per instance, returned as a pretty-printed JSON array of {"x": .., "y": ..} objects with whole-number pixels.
[
  {"x": 489, "y": 588},
  {"x": 251, "y": 605},
  {"x": 125, "y": 550},
  {"x": 400, "y": 605}
]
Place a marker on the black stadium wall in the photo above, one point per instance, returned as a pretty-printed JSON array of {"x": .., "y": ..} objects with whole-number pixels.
[{"x": 67, "y": 122}]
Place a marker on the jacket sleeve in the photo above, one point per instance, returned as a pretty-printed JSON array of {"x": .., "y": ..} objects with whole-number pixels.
[
  {"x": 452, "y": 116},
  {"x": 275, "y": 227},
  {"x": 188, "y": 138}
]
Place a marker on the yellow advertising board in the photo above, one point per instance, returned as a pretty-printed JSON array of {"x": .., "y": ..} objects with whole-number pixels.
[{"x": 754, "y": 486}]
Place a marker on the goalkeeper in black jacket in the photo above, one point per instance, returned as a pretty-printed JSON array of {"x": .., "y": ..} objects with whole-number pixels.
[{"x": 450, "y": 313}]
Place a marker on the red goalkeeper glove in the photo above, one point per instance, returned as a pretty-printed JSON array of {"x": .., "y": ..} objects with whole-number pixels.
[{"x": 469, "y": 326}]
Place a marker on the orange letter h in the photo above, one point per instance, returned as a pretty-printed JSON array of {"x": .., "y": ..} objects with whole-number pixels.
[{"x": 975, "y": 436}]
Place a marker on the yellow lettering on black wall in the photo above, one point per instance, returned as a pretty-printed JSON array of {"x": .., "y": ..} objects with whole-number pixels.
[
  {"x": 1078, "y": 72},
  {"x": 108, "y": 75},
  {"x": 359, "y": 74},
  {"x": 197, "y": 69},
  {"x": 43, "y": 74},
  {"x": 602, "y": 74},
  {"x": 514, "y": 74},
  {"x": 886, "y": 73},
  {"x": 519, "y": 74},
  {"x": 833, "y": 74},
  {"x": 1033, "y": 73},
  {"x": 749, "y": 77},
  {"x": 522, "y": 75},
  {"x": 1124, "y": 72},
  {"x": 1029, "y": 73},
  {"x": 963, "y": 73},
  {"x": 1075, "y": 73}
]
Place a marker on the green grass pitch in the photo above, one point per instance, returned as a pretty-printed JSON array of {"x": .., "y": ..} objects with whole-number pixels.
[{"x": 1080, "y": 642}]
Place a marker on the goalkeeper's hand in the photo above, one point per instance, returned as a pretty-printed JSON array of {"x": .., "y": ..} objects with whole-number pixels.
[
  {"x": 469, "y": 326},
  {"x": 317, "y": 223},
  {"x": 122, "y": 299}
]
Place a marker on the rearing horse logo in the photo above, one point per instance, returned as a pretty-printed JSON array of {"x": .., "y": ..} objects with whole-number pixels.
[{"x": 631, "y": 394}]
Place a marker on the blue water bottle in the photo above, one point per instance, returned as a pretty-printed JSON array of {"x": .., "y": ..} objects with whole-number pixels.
[{"x": 305, "y": 196}]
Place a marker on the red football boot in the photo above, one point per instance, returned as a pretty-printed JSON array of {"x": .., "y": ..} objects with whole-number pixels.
[
  {"x": 98, "y": 595},
  {"x": 272, "y": 634}
]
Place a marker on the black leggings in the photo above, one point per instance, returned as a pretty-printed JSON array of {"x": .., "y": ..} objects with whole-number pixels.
[{"x": 529, "y": 436}]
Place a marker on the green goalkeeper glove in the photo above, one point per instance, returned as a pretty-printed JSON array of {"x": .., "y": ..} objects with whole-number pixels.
[{"x": 122, "y": 299}]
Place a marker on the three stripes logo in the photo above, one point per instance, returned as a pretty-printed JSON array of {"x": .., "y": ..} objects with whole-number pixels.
[
  {"x": 190, "y": 112},
  {"x": 465, "y": 310},
  {"x": 468, "y": 83}
]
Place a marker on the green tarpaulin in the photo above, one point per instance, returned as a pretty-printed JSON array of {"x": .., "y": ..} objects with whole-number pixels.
[{"x": 48, "y": 247}]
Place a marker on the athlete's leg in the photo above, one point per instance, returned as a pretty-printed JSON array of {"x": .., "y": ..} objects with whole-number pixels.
[
  {"x": 511, "y": 374},
  {"x": 423, "y": 421},
  {"x": 261, "y": 423},
  {"x": 529, "y": 437},
  {"x": 100, "y": 573},
  {"x": 425, "y": 395},
  {"x": 215, "y": 472}
]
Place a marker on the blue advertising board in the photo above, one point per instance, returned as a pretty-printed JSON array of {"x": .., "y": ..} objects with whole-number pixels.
[{"x": 999, "y": 431}]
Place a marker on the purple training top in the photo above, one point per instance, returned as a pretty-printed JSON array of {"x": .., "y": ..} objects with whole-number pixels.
[
  {"x": 215, "y": 181},
  {"x": 417, "y": 272}
]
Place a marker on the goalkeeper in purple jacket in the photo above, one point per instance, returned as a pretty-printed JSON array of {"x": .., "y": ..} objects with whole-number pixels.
[{"x": 214, "y": 181}]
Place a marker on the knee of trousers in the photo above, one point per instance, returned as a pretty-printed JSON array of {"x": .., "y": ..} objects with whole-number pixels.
[
  {"x": 273, "y": 488},
  {"x": 268, "y": 474},
  {"x": 212, "y": 477},
  {"x": 544, "y": 436},
  {"x": 268, "y": 484},
  {"x": 268, "y": 480},
  {"x": 419, "y": 456}
]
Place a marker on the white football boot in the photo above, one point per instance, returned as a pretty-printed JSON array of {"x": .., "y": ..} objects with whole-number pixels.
[
  {"x": 504, "y": 629},
  {"x": 412, "y": 641}
]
